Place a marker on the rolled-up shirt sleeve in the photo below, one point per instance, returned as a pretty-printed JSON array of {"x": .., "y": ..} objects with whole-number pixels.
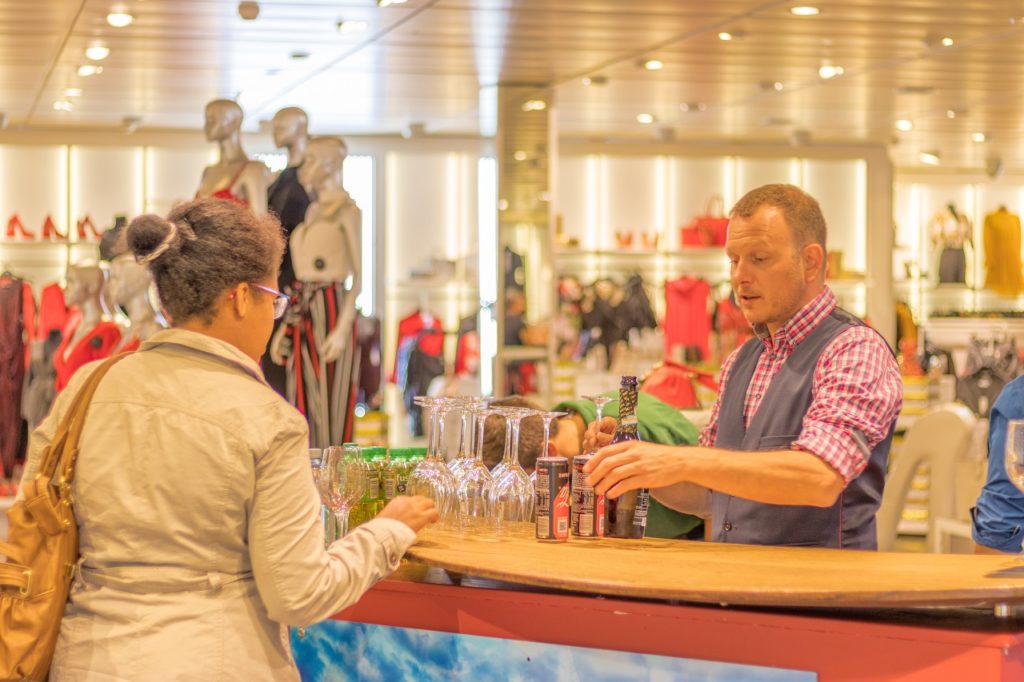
[
  {"x": 298, "y": 580},
  {"x": 998, "y": 515},
  {"x": 856, "y": 396}
]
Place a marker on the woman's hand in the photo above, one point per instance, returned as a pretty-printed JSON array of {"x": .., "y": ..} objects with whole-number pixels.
[{"x": 415, "y": 511}]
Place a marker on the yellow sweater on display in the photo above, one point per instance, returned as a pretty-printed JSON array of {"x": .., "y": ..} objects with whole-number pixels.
[{"x": 1003, "y": 272}]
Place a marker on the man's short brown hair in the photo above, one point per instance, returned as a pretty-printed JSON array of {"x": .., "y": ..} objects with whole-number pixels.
[
  {"x": 800, "y": 210},
  {"x": 531, "y": 434}
]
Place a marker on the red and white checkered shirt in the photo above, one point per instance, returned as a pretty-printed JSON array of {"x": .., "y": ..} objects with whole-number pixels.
[{"x": 856, "y": 387}]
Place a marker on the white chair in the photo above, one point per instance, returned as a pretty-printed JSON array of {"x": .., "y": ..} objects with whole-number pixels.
[{"x": 940, "y": 438}]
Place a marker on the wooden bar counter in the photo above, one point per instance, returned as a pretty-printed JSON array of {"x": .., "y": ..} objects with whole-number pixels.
[{"x": 718, "y": 612}]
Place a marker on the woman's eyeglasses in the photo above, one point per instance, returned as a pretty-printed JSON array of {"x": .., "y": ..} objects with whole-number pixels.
[{"x": 280, "y": 300}]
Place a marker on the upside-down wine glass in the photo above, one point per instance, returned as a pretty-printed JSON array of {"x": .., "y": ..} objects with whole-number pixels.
[
  {"x": 473, "y": 491},
  {"x": 548, "y": 417},
  {"x": 347, "y": 476},
  {"x": 431, "y": 477},
  {"x": 512, "y": 493},
  {"x": 467, "y": 421}
]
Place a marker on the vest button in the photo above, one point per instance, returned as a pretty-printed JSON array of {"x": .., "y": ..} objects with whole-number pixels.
[{"x": 727, "y": 526}]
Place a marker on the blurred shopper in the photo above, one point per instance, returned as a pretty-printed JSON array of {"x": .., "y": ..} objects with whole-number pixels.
[{"x": 998, "y": 515}]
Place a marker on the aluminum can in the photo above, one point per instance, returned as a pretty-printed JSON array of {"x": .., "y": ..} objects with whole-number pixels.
[
  {"x": 587, "y": 505},
  {"x": 551, "y": 494}
]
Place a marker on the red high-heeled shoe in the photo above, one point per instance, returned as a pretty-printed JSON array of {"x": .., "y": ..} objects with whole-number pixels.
[
  {"x": 14, "y": 223},
  {"x": 50, "y": 230},
  {"x": 86, "y": 222}
]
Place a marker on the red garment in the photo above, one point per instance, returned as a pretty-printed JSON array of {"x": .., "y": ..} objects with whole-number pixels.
[
  {"x": 227, "y": 192},
  {"x": 131, "y": 345},
  {"x": 857, "y": 387},
  {"x": 28, "y": 319},
  {"x": 99, "y": 343},
  {"x": 12, "y": 369},
  {"x": 53, "y": 311},
  {"x": 410, "y": 326},
  {"x": 687, "y": 322},
  {"x": 467, "y": 353},
  {"x": 733, "y": 328}
]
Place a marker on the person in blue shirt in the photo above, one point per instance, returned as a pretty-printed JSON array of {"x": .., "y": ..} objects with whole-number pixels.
[{"x": 998, "y": 515}]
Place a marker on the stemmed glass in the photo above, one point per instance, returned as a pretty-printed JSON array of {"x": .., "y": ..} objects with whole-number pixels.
[
  {"x": 599, "y": 402},
  {"x": 431, "y": 477},
  {"x": 512, "y": 493},
  {"x": 1014, "y": 454},
  {"x": 316, "y": 462},
  {"x": 548, "y": 417},
  {"x": 474, "y": 487},
  {"x": 464, "y": 458},
  {"x": 346, "y": 477}
]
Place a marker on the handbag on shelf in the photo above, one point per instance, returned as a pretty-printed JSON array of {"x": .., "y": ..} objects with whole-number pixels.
[
  {"x": 42, "y": 550},
  {"x": 709, "y": 228},
  {"x": 676, "y": 384}
]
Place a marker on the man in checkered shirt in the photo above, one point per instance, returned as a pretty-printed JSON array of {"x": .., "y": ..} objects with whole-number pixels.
[{"x": 795, "y": 451}]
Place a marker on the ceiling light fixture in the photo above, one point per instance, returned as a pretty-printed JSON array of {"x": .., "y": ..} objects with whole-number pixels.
[
  {"x": 646, "y": 119},
  {"x": 804, "y": 11},
  {"x": 951, "y": 113},
  {"x": 248, "y": 10},
  {"x": 947, "y": 42},
  {"x": 97, "y": 52},
  {"x": 520, "y": 155},
  {"x": 119, "y": 18},
  {"x": 62, "y": 105},
  {"x": 828, "y": 71},
  {"x": 131, "y": 124},
  {"x": 72, "y": 92},
  {"x": 654, "y": 65},
  {"x": 299, "y": 55},
  {"x": 979, "y": 137},
  {"x": 724, "y": 35},
  {"x": 535, "y": 105},
  {"x": 352, "y": 26},
  {"x": 906, "y": 125},
  {"x": 388, "y": 3},
  {"x": 595, "y": 80},
  {"x": 929, "y": 158},
  {"x": 86, "y": 70},
  {"x": 778, "y": 86}
]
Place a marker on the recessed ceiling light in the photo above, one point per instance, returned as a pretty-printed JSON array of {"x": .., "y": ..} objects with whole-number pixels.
[
  {"x": 950, "y": 113},
  {"x": 724, "y": 35},
  {"x": 645, "y": 118},
  {"x": 97, "y": 52},
  {"x": 387, "y": 3},
  {"x": 693, "y": 106},
  {"x": 979, "y": 137},
  {"x": 929, "y": 158},
  {"x": 299, "y": 55},
  {"x": 906, "y": 125},
  {"x": 804, "y": 10},
  {"x": 119, "y": 19},
  {"x": 62, "y": 105},
  {"x": 520, "y": 155},
  {"x": 778, "y": 86},
  {"x": 535, "y": 105},
  {"x": 352, "y": 26},
  {"x": 947, "y": 42},
  {"x": 89, "y": 70},
  {"x": 829, "y": 71},
  {"x": 654, "y": 65},
  {"x": 72, "y": 92}
]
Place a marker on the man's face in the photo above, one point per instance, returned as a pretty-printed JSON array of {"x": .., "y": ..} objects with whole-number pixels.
[{"x": 768, "y": 270}]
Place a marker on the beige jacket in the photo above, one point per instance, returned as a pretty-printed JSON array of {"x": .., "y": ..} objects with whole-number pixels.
[{"x": 199, "y": 522}]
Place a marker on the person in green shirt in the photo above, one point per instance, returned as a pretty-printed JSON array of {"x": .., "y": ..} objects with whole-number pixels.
[{"x": 659, "y": 423}]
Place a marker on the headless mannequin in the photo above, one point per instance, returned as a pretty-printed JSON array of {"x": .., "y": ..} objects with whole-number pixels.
[
  {"x": 129, "y": 285},
  {"x": 234, "y": 172},
  {"x": 325, "y": 247},
  {"x": 84, "y": 291}
]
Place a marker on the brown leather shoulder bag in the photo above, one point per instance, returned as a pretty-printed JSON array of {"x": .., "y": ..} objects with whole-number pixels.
[{"x": 42, "y": 550}]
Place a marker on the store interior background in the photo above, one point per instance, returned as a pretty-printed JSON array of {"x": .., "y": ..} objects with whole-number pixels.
[{"x": 884, "y": 111}]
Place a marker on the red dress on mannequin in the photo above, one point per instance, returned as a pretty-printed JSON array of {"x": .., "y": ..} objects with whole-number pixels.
[{"x": 99, "y": 343}]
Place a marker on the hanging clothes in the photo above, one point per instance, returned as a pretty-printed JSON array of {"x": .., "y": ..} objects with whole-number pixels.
[
  {"x": 40, "y": 380},
  {"x": 687, "y": 322},
  {"x": 53, "y": 312},
  {"x": 420, "y": 360},
  {"x": 408, "y": 327},
  {"x": 370, "y": 371},
  {"x": 731, "y": 325},
  {"x": 636, "y": 306},
  {"x": 15, "y": 328},
  {"x": 97, "y": 344},
  {"x": 1001, "y": 237},
  {"x": 324, "y": 392},
  {"x": 467, "y": 347}
]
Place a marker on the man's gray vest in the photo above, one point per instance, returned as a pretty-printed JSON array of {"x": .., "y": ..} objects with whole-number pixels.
[{"x": 850, "y": 522}]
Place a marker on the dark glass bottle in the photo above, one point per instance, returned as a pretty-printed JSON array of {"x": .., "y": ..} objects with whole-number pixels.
[{"x": 626, "y": 515}]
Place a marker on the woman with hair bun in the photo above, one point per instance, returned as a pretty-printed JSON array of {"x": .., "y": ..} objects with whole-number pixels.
[{"x": 199, "y": 521}]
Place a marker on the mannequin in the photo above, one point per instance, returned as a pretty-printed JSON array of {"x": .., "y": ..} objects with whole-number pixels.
[
  {"x": 234, "y": 176},
  {"x": 1001, "y": 239},
  {"x": 951, "y": 230},
  {"x": 287, "y": 199},
  {"x": 317, "y": 339},
  {"x": 88, "y": 334},
  {"x": 128, "y": 286}
]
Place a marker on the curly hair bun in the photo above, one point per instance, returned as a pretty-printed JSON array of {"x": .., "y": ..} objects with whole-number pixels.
[{"x": 149, "y": 236}]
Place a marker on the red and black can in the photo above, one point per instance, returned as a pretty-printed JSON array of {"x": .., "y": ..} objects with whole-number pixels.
[
  {"x": 552, "y": 499},
  {"x": 587, "y": 505}
]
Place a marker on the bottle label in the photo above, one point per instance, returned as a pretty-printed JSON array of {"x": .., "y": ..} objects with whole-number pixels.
[{"x": 373, "y": 486}]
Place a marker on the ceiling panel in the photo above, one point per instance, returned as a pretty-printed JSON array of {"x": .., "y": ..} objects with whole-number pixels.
[{"x": 424, "y": 61}]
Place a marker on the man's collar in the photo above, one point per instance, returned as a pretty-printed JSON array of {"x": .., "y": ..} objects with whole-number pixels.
[{"x": 801, "y": 324}]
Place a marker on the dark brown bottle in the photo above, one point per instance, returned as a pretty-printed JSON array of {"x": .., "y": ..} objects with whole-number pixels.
[{"x": 626, "y": 515}]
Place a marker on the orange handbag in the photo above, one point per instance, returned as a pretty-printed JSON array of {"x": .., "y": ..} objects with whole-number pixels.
[{"x": 42, "y": 550}]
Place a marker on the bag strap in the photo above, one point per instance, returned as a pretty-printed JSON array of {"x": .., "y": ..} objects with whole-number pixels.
[
  {"x": 715, "y": 201},
  {"x": 63, "y": 449}
]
